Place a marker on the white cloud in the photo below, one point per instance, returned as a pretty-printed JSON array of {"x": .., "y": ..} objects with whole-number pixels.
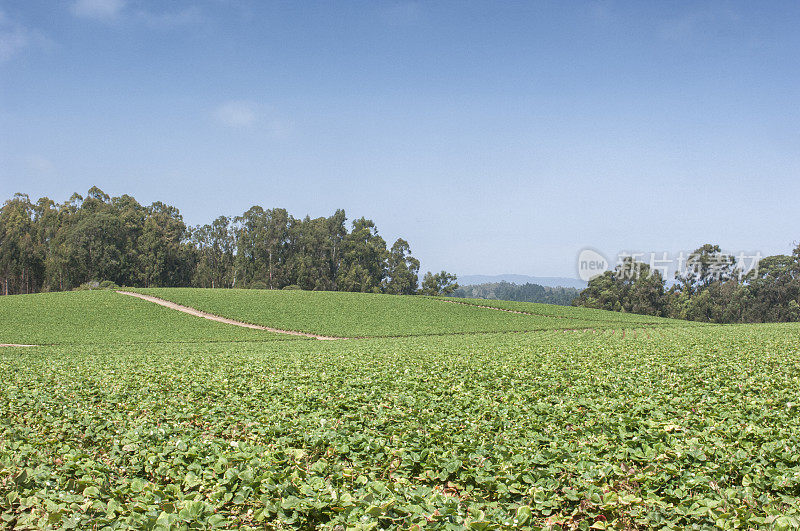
[
  {"x": 98, "y": 9},
  {"x": 401, "y": 13},
  {"x": 278, "y": 128},
  {"x": 239, "y": 113},
  {"x": 113, "y": 10},
  {"x": 166, "y": 20},
  {"x": 40, "y": 165},
  {"x": 15, "y": 37},
  {"x": 699, "y": 24},
  {"x": 600, "y": 12},
  {"x": 265, "y": 120}
]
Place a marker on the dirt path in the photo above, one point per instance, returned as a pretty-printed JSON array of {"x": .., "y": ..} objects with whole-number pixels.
[
  {"x": 212, "y": 317},
  {"x": 15, "y": 345},
  {"x": 585, "y": 319},
  {"x": 519, "y": 312},
  {"x": 498, "y": 309}
]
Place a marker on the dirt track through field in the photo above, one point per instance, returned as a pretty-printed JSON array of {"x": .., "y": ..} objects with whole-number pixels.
[
  {"x": 15, "y": 345},
  {"x": 499, "y": 309},
  {"x": 642, "y": 324},
  {"x": 219, "y": 319}
]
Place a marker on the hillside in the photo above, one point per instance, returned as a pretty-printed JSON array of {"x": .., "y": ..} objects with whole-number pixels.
[
  {"x": 347, "y": 314},
  {"x": 105, "y": 317}
]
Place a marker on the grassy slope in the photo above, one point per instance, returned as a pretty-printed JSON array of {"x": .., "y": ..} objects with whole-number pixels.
[
  {"x": 584, "y": 314},
  {"x": 107, "y": 317},
  {"x": 364, "y": 314},
  {"x": 689, "y": 426}
]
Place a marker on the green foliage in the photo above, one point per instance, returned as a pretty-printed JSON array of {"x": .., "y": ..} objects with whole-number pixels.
[
  {"x": 402, "y": 270},
  {"x": 773, "y": 293},
  {"x": 215, "y": 254},
  {"x": 56, "y": 247},
  {"x": 94, "y": 284},
  {"x": 582, "y": 314},
  {"x": 513, "y": 292},
  {"x": 704, "y": 266},
  {"x": 711, "y": 289},
  {"x": 106, "y": 317},
  {"x": 683, "y": 428},
  {"x": 442, "y": 283},
  {"x": 631, "y": 287},
  {"x": 364, "y": 254},
  {"x": 368, "y": 315}
]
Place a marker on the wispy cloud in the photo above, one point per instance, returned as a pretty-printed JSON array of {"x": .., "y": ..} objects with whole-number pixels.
[
  {"x": 247, "y": 114},
  {"x": 279, "y": 128},
  {"x": 98, "y": 9},
  {"x": 699, "y": 24},
  {"x": 401, "y": 13},
  {"x": 601, "y": 12},
  {"x": 114, "y": 10},
  {"x": 237, "y": 113},
  {"x": 40, "y": 165},
  {"x": 15, "y": 37},
  {"x": 170, "y": 19}
]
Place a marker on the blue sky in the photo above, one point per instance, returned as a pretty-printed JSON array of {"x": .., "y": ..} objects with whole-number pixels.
[{"x": 496, "y": 137}]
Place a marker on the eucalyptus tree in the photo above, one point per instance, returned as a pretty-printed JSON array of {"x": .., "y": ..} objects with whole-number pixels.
[{"x": 402, "y": 272}]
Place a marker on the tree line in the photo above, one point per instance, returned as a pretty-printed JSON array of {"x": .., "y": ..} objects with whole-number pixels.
[
  {"x": 712, "y": 288},
  {"x": 527, "y": 292},
  {"x": 48, "y": 246}
]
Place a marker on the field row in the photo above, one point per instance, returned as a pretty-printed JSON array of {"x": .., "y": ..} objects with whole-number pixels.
[
  {"x": 369, "y": 315},
  {"x": 105, "y": 317},
  {"x": 689, "y": 426},
  {"x": 576, "y": 313}
]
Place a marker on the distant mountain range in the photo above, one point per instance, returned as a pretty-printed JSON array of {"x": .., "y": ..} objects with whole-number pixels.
[{"x": 553, "y": 282}]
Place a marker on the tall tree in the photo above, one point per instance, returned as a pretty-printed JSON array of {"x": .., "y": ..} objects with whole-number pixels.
[
  {"x": 442, "y": 283},
  {"x": 132, "y": 217},
  {"x": 161, "y": 249},
  {"x": 402, "y": 270},
  {"x": 631, "y": 287},
  {"x": 705, "y": 265},
  {"x": 773, "y": 290},
  {"x": 251, "y": 246},
  {"x": 215, "y": 254},
  {"x": 49, "y": 246},
  {"x": 17, "y": 249},
  {"x": 363, "y": 258}
]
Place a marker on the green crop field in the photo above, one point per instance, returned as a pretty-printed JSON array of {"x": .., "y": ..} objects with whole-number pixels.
[
  {"x": 371, "y": 315},
  {"x": 89, "y": 317},
  {"x": 580, "y": 314},
  {"x": 135, "y": 416}
]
